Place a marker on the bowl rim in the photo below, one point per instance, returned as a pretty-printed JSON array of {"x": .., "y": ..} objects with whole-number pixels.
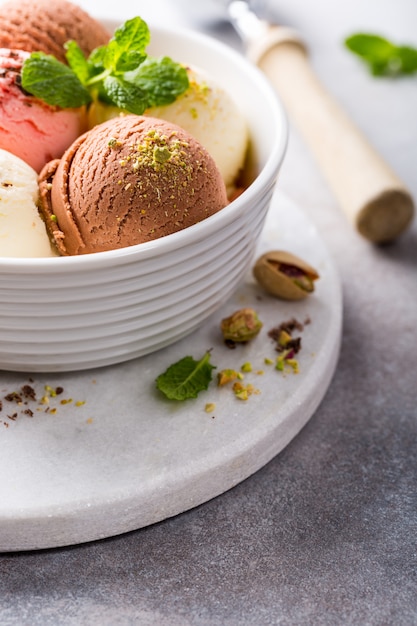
[{"x": 200, "y": 230}]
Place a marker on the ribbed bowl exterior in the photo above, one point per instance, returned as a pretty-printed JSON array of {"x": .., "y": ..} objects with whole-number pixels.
[{"x": 74, "y": 313}]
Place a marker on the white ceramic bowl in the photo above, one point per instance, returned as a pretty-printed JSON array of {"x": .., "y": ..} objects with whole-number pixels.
[{"x": 73, "y": 313}]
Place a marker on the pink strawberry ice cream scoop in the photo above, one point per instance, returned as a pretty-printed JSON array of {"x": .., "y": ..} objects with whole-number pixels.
[
  {"x": 30, "y": 129},
  {"x": 127, "y": 181},
  {"x": 46, "y": 25}
]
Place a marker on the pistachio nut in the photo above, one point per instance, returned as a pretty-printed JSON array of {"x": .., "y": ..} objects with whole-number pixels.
[
  {"x": 241, "y": 326},
  {"x": 285, "y": 275}
]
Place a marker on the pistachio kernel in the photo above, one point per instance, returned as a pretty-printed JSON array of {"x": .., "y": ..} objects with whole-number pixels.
[
  {"x": 284, "y": 275},
  {"x": 242, "y": 326}
]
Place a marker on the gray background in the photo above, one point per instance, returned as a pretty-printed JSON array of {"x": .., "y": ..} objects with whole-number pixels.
[{"x": 325, "y": 534}]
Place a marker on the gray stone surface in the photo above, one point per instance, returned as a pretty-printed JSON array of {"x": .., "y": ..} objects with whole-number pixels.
[{"x": 325, "y": 534}]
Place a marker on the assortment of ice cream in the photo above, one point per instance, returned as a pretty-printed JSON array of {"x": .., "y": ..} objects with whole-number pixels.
[
  {"x": 144, "y": 178},
  {"x": 109, "y": 177},
  {"x": 210, "y": 114},
  {"x": 22, "y": 231}
]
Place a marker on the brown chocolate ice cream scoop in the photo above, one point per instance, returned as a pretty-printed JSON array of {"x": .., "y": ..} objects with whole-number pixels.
[
  {"x": 45, "y": 25},
  {"x": 128, "y": 181}
]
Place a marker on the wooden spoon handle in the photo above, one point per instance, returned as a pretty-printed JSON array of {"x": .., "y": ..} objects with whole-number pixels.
[{"x": 372, "y": 196}]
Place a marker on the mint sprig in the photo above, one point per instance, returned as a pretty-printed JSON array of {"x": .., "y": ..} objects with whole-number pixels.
[
  {"x": 383, "y": 57},
  {"x": 161, "y": 79},
  {"x": 186, "y": 378},
  {"x": 120, "y": 73},
  {"x": 48, "y": 79}
]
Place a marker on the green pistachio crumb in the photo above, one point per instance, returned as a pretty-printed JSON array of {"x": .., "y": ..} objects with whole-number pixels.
[
  {"x": 50, "y": 390},
  {"x": 226, "y": 376},
  {"x": 114, "y": 143},
  {"x": 294, "y": 364},
  {"x": 161, "y": 154},
  {"x": 283, "y": 361},
  {"x": 243, "y": 392}
]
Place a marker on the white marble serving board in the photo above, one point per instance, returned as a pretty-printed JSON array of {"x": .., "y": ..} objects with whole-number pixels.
[{"x": 118, "y": 456}]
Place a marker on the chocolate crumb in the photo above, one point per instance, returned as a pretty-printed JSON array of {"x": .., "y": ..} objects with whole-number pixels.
[
  {"x": 293, "y": 344},
  {"x": 29, "y": 392},
  {"x": 288, "y": 326},
  {"x": 13, "y": 396}
]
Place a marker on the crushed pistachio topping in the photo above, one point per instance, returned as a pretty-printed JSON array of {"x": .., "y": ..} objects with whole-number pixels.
[
  {"x": 28, "y": 401},
  {"x": 161, "y": 154},
  {"x": 246, "y": 367},
  {"x": 286, "y": 358},
  {"x": 210, "y": 407},
  {"x": 243, "y": 392},
  {"x": 114, "y": 143},
  {"x": 157, "y": 149},
  {"x": 51, "y": 391},
  {"x": 226, "y": 376},
  {"x": 201, "y": 90},
  {"x": 284, "y": 338}
]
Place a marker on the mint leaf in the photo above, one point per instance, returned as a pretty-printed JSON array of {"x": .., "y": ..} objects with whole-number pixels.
[
  {"x": 119, "y": 73},
  {"x": 97, "y": 57},
  {"x": 383, "y": 57},
  {"x": 50, "y": 80},
  {"x": 125, "y": 95},
  {"x": 77, "y": 61},
  {"x": 132, "y": 37},
  {"x": 162, "y": 79},
  {"x": 133, "y": 34},
  {"x": 186, "y": 378},
  {"x": 408, "y": 58},
  {"x": 129, "y": 60}
]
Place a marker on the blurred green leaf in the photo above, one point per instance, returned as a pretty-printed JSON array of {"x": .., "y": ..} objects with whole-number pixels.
[{"x": 383, "y": 57}]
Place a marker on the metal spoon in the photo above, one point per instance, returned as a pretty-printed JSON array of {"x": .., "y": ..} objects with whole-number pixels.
[{"x": 371, "y": 194}]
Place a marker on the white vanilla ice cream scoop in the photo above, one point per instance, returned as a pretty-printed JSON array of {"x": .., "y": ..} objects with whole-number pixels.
[
  {"x": 210, "y": 114},
  {"x": 22, "y": 231}
]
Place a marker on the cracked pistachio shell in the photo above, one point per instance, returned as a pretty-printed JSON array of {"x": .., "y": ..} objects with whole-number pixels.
[{"x": 285, "y": 275}]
